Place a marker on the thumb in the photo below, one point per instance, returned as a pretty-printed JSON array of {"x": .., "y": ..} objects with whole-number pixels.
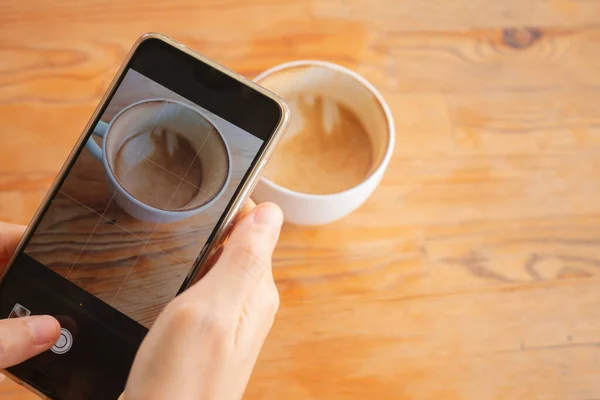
[
  {"x": 246, "y": 257},
  {"x": 23, "y": 338}
]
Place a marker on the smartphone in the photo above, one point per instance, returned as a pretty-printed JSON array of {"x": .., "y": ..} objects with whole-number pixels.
[{"x": 148, "y": 193}]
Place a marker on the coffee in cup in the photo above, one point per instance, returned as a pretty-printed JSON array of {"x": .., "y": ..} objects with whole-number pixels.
[
  {"x": 177, "y": 157},
  {"x": 336, "y": 148},
  {"x": 164, "y": 160},
  {"x": 327, "y": 142}
]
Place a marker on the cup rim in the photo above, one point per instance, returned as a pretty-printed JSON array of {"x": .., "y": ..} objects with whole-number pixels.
[
  {"x": 135, "y": 200},
  {"x": 380, "y": 100}
]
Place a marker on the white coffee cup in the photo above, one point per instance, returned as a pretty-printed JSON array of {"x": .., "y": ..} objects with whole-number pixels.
[
  {"x": 359, "y": 96},
  {"x": 151, "y": 114}
]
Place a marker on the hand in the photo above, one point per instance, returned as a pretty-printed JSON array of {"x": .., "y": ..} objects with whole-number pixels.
[
  {"x": 22, "y": 338},
  {"x": 206, "y": 341}
]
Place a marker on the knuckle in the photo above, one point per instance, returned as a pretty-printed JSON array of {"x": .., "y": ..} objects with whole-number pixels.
[
  {"x": 272, "y": 299},
  {"x": 197, "y": 316},
  {"x": 273, "y": 306},
  {"x": 3, "y": 349},
  {"x": 218, "y": 323},
  {"x": 184, "y": 314},
  {"x": 250, "y": 258}
]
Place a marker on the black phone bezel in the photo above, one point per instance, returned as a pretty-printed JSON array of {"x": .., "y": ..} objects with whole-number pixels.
[
  {"x": 201, "y": 83},
  {"x": 213, "y": 89}
]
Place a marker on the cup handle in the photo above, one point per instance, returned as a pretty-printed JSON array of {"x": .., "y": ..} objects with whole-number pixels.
[{"x": 99, "y": 130}]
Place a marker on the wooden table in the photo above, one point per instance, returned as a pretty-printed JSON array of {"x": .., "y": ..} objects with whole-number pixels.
[{"x": 474, "y": 270}]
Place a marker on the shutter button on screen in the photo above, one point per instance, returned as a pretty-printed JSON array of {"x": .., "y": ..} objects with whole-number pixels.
[{"x": 64, "y": 342}]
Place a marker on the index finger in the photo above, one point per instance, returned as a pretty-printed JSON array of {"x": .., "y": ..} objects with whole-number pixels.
[
  {"x": 246, "y": 258},
  {"x": 211, "y": 260},
  {"x": 249, "y": 205}
]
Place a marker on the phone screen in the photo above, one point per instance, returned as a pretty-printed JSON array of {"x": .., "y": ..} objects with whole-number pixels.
[
  {"x": 131, "y": 217},
  {"x": 132, "y": 214}
]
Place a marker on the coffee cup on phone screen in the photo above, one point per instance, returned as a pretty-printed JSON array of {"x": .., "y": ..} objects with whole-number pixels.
[{"x": 163, "y": 160}]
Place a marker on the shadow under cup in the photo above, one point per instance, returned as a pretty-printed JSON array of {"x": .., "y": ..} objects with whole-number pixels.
[{"x": 161, "y": 127}]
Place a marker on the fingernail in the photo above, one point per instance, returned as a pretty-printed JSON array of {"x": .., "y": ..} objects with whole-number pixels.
[
  {"x": 268, "y": 215},
  {"x": 44, "y": 329}
]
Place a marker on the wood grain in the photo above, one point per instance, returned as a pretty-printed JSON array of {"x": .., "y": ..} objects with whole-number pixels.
[{"x": 472, "y": 272}]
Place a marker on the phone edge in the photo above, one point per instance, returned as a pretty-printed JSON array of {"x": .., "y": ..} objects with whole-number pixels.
[
  {"x": 242, "y": 196},
  {"x": 49, "y": 193}
]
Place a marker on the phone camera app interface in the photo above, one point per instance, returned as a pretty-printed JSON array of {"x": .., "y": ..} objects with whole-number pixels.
[{"x": 142, "y": 198}]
